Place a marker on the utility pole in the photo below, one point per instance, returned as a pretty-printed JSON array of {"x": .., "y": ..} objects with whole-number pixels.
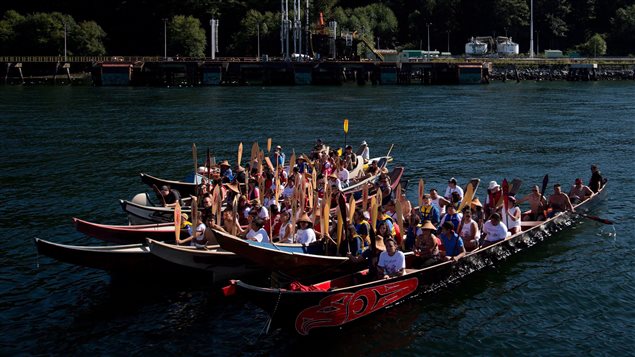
[
  {"x": 448, "y": 40},
  {"x": 65, "y": 30},
  {"x": 531, "y": 29},
  {"x": 428, "y": 25},
  {"x": 213, "y": 23},
  {"x": 165, "y": 39}
]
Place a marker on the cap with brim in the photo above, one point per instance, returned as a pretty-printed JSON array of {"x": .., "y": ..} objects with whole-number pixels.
[
  {"x": 492, "y": 185},
  {"x": 512, "y": 199},
  {"x": 278, "y": 147},
  {"x": 476, "y": 203},
  {"x": 165, "y": 188},
  {"x": 364, "y": 142},
  {"x": 452, "y": 180},
  {"x": 428, "y": 225},
  {"x": 366, "y": 215},
  {"x": 225, "y": 163}
]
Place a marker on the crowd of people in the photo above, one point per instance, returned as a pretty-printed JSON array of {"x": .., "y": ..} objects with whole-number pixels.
[{"x": 283, "y": 205}]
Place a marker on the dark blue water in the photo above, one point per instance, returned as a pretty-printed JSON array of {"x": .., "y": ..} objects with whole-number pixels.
[{"x": 75, "y": 151}]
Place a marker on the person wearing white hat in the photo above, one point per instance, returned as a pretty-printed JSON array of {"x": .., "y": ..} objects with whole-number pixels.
[
  {"x": 494, "y": 195},
  {"x": 365, "y": 151}
]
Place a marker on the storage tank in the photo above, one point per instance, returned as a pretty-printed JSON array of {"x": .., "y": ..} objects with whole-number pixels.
[
  {"x": 507, "y": 47},
  {"x": 475, "y": 47}
]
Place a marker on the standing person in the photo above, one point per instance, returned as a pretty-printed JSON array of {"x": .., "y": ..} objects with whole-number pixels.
[
  {"x": 452, "y": 188},
  {"x": 537, "y": 203},
  {"x": 226, "y": 172},
  {"x": 392, "y": 262},
  {"x": 494, "y": 195},
  {"x": 305, "y": 234},
  {"x": 469, "y": 231},
  {"x": 343, "y": 174},
  {"x": 279, "y": 155},
  {"x": 365, "y": 151},
  {"x": 170, "y": 196},
  {"x": 579, "y": 192},
  {"x": 453, "y": 247},
  {"x": 559, "y": 201},
  {"x": 494, "y": 230},
  {"x": 511, "y": 218},
  {"x": 596, "y": 182}
]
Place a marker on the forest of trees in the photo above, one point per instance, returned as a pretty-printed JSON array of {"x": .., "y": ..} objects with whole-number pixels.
[{"x": 136, "y": 27}]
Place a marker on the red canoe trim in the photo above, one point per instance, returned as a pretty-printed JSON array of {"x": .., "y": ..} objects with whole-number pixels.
[{"x": 338, "y": 309}]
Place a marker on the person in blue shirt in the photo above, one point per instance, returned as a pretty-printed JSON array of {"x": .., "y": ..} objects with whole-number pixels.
[
  {"x": 279, "y": 155},
  {"x": 452, "y": 243}
]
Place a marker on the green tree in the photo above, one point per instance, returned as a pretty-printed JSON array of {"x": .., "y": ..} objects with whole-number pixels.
[
  {"x": 594, "y": 46},
  {"x": 246, "y": 39},
  {"x": 186, "y": 37},
  {"x": 623, "y": 30},
  {"x": 88, "y": 39}
]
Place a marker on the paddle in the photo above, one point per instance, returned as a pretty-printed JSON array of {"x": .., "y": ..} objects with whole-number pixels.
[
  {"x": 467, "y": 197},
  {"x": 159, "y": 194},
  {"x": 515, "y": 186},
  {"x": 268, "y": 145},
  {"x": 545, "y": 181},
  {"x": 194, "y": 206},
  {"x": 389, "y": 150},
  {"x": 505, "y": 198},
  {"x": 365, "y": 197},
  {"x": 240, "y": 153},
  {"x": 195, "y": 167},
  {"x": 399, "y": 212},
  {"x": 343, "y": 215},
  {"x": 595, "y": 218},
  {"x": 209, "y": 171},
  {"x": 345, "y": 130},
  {"x": 422, "y": 185},
  {"x": 235, "y": 214},
  {"x": 177, "y": 222}
]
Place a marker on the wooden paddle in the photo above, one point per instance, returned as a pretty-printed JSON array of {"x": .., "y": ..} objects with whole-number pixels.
[
  {"x": 343, "y": 217},
  {"x": 505, "y": 187},
  {"x": 467, "y": 197},
  {"x": 422, "y": 190},
  {"x": 177, "y": 222},
  {"x": 389, "y": 150},
  {"x": 515, "y": 186},
  {"x": 159, "y": 194},
  {"x": 345, "y": 130},
  {"x": 595, "y": 218},
  {"x": 399, "y": 212},
  {"x": 351, "y": 209},
  {"x": 235, "y": 214},
  {"x": 291, "y": 162},
  {"x": 365, "y": 197},
  {"x": 194, "y": 207},
  {"x": 268, "y": 145},
  {"x": 240, "y": 154},
  {"x": 195, "y": 167}
]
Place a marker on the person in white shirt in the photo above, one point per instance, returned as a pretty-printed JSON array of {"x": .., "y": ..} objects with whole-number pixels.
[
  {"x": 365, "y": 151},
  {"x": 392, "y": 262},
  {"x": 343, "y": 175},
  {"x": 512, "y": 216},
  {"x": 495, "y": 230},
  {"x": 261, "y": 211},
  {"x": 305, "y": 234},
  {"x": 453, "y": 187},
  {"x": 256, "y": 232}
]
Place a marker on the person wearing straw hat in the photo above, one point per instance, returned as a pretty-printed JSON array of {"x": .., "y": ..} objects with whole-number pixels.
[
  {"x": 305, "y": 234},
  {"x": 226, "y": 172},
  {"x": 477, "y": 212},
  {"x": 392, "y": 262},
  {"x": 427, "y": 244}
]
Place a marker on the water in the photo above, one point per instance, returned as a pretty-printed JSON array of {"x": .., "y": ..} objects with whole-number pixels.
[{"x": 75, "y": 151}]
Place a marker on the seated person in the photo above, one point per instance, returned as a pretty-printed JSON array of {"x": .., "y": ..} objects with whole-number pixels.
[
  {"x": 256, "y": 232},
  {"x": 468, "y": 231},
  {"x": 170, "y": 196},
  {"x": 579, "y": 192},
  {"x": 559, "y": 201},
  {"x": 537, "y": 203},
  {"x": 305, "y": 234},
  {"x": 427, "y": 245},
  {"x": 511, "y": 218},
  {"x": 453, "y": 248},
  {"x": 494, "y": 230},
  {"x": 392, "y": 262},
  {"x": 197, "y": 239},
  {"x": 352, "y": 244},
  {"x": 428, "y": 212}
]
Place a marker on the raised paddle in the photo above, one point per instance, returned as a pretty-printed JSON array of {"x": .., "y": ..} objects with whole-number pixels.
[
  {"x": 545, "y": 181},
  {"x": 422, "y": 185},
  {"x": 268, "y": 145},
  {"x": 345, "y": 130},
  {"x": 195, "y": 166},
  {"x": 159, "y": 194},
  {"x": 505, "y": 197},
  {"x": 390, "y": 150},
  {"x": 240, "y": 154}
]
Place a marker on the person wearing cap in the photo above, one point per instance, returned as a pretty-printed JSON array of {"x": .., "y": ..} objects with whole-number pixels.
[
  {"x": 537, "y": 203},
  {"x": 279, "y": 155},
  {"x": 305, "y": 234},
  {"x": 579, "y": 192},
  {"x": 494, "y": 230},
  {"x": 452, "y": 244},
  {"x": 170, "y": 196},
  {"x": 197, "y": 239},
  {"x": 365, "y": 151},
  {"x": 511, "y": 218},
  {"x": 427, "y": 211},
  {"x": 559, "y": 201},
  {"x": 451, "y": 189},
  {"x": 185, "y": 224},
  {"x": 469, "y": 231},
  {"x": 392, "y": 262},
  {"x": 256, "y": 232},
  {"x": 596, "y": 182},
  {"x": 494, "y": 198},
  {"x": 426, "y": 247},
  {"x": 226, "y": 172}
]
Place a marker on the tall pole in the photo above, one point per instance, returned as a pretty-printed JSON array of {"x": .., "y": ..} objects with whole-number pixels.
[
  {"x": 211, "y": 38},
  {"x": 65, "y": 30},
  {"x": 165, "y": 38},
  {"x": 428, "y": 25},
  {"x": 448, "y": 41},
  {"x": 258, "y": 31},
  {"x": 531, "y": 29},
  {"x": 307, "y": 29}
]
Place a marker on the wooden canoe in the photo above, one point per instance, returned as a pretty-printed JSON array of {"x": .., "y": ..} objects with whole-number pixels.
[{"x": 127, "y": 234}]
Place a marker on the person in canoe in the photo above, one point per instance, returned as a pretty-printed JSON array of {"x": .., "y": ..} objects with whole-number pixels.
[
  {"x": 596, "y": 182},
  {"x": 453, "y": 247},
  {"x": 451, "y": 189},
  {"x": 494, "y": 198},
  {"x": 352, "y": 245},
  {"x": 439, "y": 202},
  {"x": 427, "y": 211},
  {"x": 511, "y": 218},
  {"x": 477, "y": 213},
  {"x": 229, "y": 223},
  {"x": 279, "y": 156},
  {"x": 362, "y": 226},
  {"x": 559, "y": 201},
  {"x": 305, "y": 234},
  {"x": 427, "y": 245},
  {"x": 171, "y": 196},
  {"x": 284, "y": 234},
  {"x": 197, "y": 239},
  {"x": 256, "y": 233},
  {"x": 537, "y": 203},
  {"x": 469, "y": 231},
  {"x": 579, "y": 192},
  {"x": 452, "y": 216},
  {"x": 392, "y": 262},
  {"x": 494, "y": 230},
  {"x": 226, "y": 172},
  {"x": 365, "y": 151}
]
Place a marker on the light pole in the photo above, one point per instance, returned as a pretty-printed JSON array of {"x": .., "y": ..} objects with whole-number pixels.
[
  {"x": 165, "y": 39},
  {"x": 448, "y": 31},
  {"x": 537, "y": 43},
  {"x": 65, "y": 30},
  {"x": 531, "y": 29},
  {"x": 428, "y": 25}
]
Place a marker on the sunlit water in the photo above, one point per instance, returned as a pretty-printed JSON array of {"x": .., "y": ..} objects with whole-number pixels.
[{"x": 74, "y": 151}]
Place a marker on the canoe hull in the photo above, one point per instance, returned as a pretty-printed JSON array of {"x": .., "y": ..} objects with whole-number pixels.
[{"x": 126, "y": 234}]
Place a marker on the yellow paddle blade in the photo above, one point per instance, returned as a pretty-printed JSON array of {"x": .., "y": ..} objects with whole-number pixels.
[
  {"x": 345, "y": 126},
  {"x": 240, "y": 153},
  {"x": 340, "y": 223},
  {"x": 422, "y": 190},
  {"x": 351, "y": 209},
  {"x": 269, "y": 145},
  {"x": 177, "y": 221}
]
